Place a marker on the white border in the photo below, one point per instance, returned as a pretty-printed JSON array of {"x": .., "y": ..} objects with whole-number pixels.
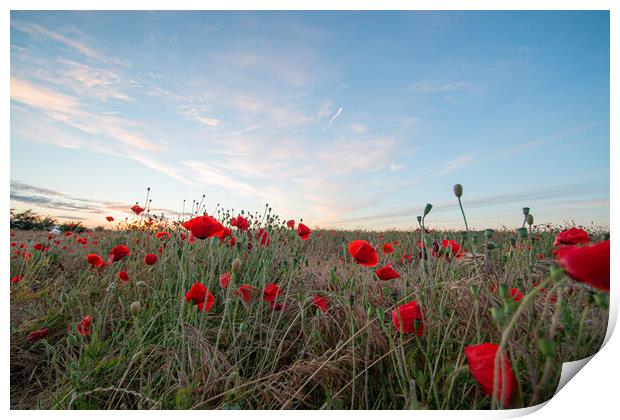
[{"x": 591, "y": 395}]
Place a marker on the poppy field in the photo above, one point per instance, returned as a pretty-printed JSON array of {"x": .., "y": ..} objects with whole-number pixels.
[{"x": 223, "y": 310}]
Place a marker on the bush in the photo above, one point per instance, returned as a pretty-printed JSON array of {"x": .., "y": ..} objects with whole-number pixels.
[{"x": 29, "y": 220}]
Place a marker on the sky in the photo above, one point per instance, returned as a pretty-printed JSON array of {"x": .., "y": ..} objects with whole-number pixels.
[{"x": 342, "y": 119}]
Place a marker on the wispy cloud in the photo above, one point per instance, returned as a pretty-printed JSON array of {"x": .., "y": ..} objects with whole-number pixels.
[
  {"x": 434, "y": 87},
  {"x": 37, "y": 31},
  {"x": 455, "y": 164}
]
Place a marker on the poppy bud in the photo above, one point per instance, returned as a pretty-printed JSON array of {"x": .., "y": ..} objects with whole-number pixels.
[
  {"x": 243, "y": 327},
  {"x": 380, "y": 314},
  {"x": 474, "y": 289},
  {"x": 419, "y": 219},
  {"x": 488, "y": 233},
  {"x": 546, "y": 347},
  {"x": 428, "y": 208},
  {"x": 458, "y": 190},
  {"x": 370, "y": 311},
  {"x": 498, "y": 315},
  {"x": 529, "y": 219},
  {"x": 503, "y": 291},
  {"x": 491, "y": 245},
  {"x": 134, "y": 308},
  {"x": 236, "y": 265},
  {"x": 522, "y": 232},
  {"x": 526, "y": 211}
]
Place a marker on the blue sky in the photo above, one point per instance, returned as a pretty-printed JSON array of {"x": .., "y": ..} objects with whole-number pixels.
[{"x": 344, "y": 119}]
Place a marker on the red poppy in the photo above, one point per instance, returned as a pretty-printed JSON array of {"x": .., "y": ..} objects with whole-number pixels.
[
  {"x": 516, "y": 294},
  {"x": 95, "y": 260},
  {"x": 38, "y": 334},
  {"x": 240, "y": 223},
  {"x": 83, "y": 327},
  {"x": 162, "y": 235},
  {"x": 481, "y": 359},
  {"x": 245, "y": 292},
  {"x": 263, "y": 235},
  {"x": 68, "y": 233},
  {"x": 137, "y": 209},
  {"x": 407, "y": 318},
  {"x": 232, "y": 241},
  {"x": 451, "y": 248},
  {"x": 320, "y": 302},
  {"x": 109, "y": 218},
  {"x": 13, "y": 243},
  {"x": 123, "y": 276},
  {"x": 387, "y": 248},
  {"x": 208, "y": 302},
  {"x": 406, "y": 257},
  {"x": 17, "y": 279},
  {"x": 197, "y": 294},
  {"x": 83, "y": 241},
  {"x": 203, "y": 227},
  {"x": 271, "y": 292},
  {"x": 363, "y": 253},
  {"x": 38, "y": 247},
  {"x": 303, "y": 231},
  {"x": 572, "y": 236},
  {"x": 224, "y": 280},
  {"x": 150, "y": 259},
  {"x": 387, "y": 272},
  {"x": 27, "y": 255},
  {"x": 588, "y": 264},
  {"x": 117, "y": 253},
  {"x": 291, "y": 224}
]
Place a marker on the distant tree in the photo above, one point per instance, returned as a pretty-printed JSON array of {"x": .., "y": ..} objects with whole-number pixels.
[
  {"x": 29, "y": 220},
  {"x": 76, "y": 227}
]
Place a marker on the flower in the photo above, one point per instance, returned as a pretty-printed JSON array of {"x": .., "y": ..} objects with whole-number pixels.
[
  {"x": 303, "y": 231},
  {"x": 588, "y": 264},
  {"x": 263, "y": 235},
  {"x": 245, "y": 292},
  {"x": 117, "y": 253},
  {"x": 123, "y": 276},
  {"x": 572, "y": 236},
  {"x": 17, "y": 279},
  {"x": 197, "y": 294},
  {"x": 95, "y": 260},
  {"x": 109, "y": 218},
  {"x": 276, "y": 306},
  {"x": 208, "y": 302},
  {"x": 290, "y": 224},
  {"x": 224, "y": 280},
  {"x": 38, "y": 334},
  {"x": 271, "y": 292},
  {"x": 406, "y": 257},
  {"x": 407, "y": 318},
  {"x": 516, "y": 294},
  {"x": 387, "y": 272},
  {"x": 150, "y": 259},
  {"x": 387, "y": 248},
  {"x": 137, "y": 209},
  {"x": 449, "y": 248},
  {"x": 38, "y": 247},
  {"x": 320, "y": 302},
  {"x": 481, "y": 359},
  {"x": 241, "y": 223},
  {"x": 83, "y": 327},
  {"x": 203, "y": 227},
  {"x": 363, "y": 253}
]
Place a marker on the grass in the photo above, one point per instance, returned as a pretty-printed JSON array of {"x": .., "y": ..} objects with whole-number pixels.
[{"x": 238, "y": 356}]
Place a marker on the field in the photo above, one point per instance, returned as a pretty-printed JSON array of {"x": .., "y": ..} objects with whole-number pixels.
[{"x": 312, "y": 327}]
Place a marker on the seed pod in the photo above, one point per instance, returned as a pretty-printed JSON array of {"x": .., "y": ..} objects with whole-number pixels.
[
  {"x": 458, "y": 190},
  {"x": 428, "y": 208},
  {"x": 526, "y": 211},
  {"x": 134, "y": 308},
  {"x": 491, "y": 245},
  {"x": 236, "y": 265},
  {"x": 529, "y": 219}
]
